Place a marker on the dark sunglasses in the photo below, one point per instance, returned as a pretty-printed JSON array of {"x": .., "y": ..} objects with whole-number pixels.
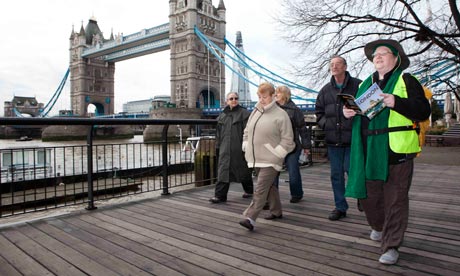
[{"x": 231, "y": 99}]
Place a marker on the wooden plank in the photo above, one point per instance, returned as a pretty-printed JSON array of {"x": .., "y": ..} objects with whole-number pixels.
[
  {"x": 213, "y": 242},
  {"x": 216, "y": 262},
  {"x": 54, "y": 263},
  {"x": 113, "y": 249},
  {"x": 7, "y": 269},
  {"x": 93, "y": 252},
  {"x": 85, "y": 263},
  {"x": 314, "y": 246},
  {"x": 149, "y": 256},
  {"x": 20, "y": 260},
  {"x": 223, "y": 230}
]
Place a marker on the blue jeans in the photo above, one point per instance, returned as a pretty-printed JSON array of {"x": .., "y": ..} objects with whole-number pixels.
[
  {"x": 339, "y": 158},
  {"x": 295, "y": 179}
]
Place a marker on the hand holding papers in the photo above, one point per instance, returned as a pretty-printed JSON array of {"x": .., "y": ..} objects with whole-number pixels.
[{"x": 369, "y": 104}]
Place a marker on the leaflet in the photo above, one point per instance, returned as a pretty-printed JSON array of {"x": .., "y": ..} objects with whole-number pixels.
[{"x": 369, "y": 104}]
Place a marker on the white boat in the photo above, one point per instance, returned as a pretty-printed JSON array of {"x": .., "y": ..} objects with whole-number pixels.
[
  {"x": 24, "y": 138},
  {"x": 25, "y": 164}
]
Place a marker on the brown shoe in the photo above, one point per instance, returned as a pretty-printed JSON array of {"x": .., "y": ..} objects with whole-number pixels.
[
  {"x": 247, "y": 224},
  {"x": 246, "y": 195},
  {"x": 272, "y": 217}
]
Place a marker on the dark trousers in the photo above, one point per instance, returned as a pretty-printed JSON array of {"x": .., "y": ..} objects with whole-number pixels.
[
  {"x": 339, "y": 158},
  {"x": 295, "y": 179},
  {"x": 221, "y": 190},
  {"x": 387, "y": 204}
]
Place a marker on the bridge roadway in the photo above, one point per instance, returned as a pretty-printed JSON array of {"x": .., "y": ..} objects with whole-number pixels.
[
  {"x": 183, "y": 234},
  {"x": 206, "y": 112},
  {"x": 146, "y": 41}
]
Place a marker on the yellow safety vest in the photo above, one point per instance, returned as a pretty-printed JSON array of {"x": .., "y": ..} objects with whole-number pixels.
[{"x": 405, "y": 141}]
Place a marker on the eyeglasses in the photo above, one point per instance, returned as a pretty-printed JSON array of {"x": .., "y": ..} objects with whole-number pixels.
[
  {"x": 380, "y": 54},
  {"x": 231, "y": 99}
]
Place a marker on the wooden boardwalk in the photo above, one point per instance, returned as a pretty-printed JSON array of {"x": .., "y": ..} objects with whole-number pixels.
[{"x": 183, "y": 234}]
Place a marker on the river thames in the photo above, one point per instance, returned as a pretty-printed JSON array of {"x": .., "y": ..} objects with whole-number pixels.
[{"x": 21, "y": 160}]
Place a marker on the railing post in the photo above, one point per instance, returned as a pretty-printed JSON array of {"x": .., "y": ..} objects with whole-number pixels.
[
  {"x": 89, "y": 150},
  {"x": 164, "y": 151}
]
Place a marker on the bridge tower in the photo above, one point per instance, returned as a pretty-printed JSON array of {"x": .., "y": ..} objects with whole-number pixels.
[
  {"x": 91, "y": 79},
  {"x": 197, "y": 77}
]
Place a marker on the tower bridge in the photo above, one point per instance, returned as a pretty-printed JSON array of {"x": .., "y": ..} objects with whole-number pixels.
[
  {"x": 195, "y": 36},
  {"x": 197, "y": 78}
]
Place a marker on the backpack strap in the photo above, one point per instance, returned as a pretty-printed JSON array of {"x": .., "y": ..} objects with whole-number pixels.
[{"x": 368, "y": 132}]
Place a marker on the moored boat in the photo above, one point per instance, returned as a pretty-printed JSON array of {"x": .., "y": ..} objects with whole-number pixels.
[{"x": 24, "y": 138}]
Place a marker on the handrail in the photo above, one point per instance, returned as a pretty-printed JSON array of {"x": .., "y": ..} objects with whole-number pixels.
[{"x": 102, "y": 121}]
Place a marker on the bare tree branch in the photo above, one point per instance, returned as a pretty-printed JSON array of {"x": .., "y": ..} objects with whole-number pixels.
[{"x": 428, "y": 31}]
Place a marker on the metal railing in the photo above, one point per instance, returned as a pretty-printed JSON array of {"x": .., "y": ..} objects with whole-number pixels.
[
  {"x": 83, "y": 172},
  {"x": 39, "y": 178}
]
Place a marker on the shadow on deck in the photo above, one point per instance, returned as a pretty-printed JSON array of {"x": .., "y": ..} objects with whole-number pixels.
[{"x": 184, "y": 234}]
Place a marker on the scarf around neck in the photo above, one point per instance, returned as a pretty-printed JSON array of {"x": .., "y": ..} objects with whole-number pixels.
[{"x": 372, "y": 165}]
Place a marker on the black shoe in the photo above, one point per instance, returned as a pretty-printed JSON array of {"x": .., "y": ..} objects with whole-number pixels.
[
  {"x": 359, "y": 205},
  {"x": 272, "y": 217},
  {"x": 217, "y": 200},
  {"x": 247, "y": 224},
  {"x": 246, "y": 195},
  {"x": 336, "y": 215},
  {"x": 295, "y": 199},
  {"x": 266, "y": 206}
]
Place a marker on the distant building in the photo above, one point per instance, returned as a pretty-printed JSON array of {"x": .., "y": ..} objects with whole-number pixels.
[
  {"x": 239, "y": 84},
  {"x": 144, "y": 106},
  {"x": 22, "y": 105}
]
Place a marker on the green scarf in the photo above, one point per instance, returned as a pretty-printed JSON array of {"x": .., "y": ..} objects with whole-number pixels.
[{"x": 375, "y": 166}]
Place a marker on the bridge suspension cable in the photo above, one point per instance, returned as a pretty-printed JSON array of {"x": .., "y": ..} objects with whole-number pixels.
[
  {"x": 254, "y": 67},
  {"x": 55, "y": 96},
  {"x": 443, "y": 71},
  {"x": 268, "y": 73}
]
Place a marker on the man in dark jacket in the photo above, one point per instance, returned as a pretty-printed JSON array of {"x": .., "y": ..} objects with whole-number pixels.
[
  {"x": 329, "y": 115},
  {"x": 232, "y": 166}
]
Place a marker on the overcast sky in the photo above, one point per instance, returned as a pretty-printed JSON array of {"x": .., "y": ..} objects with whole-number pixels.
[{"x": 34, "y": 49}]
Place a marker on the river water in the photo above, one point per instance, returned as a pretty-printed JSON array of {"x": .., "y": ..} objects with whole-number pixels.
[
  {"x": 21, "y": 160},
  {"x": 11, "y": 143}
]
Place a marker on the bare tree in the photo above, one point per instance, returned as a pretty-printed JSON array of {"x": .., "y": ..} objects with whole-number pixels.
[{"x": 429, "y": 33}]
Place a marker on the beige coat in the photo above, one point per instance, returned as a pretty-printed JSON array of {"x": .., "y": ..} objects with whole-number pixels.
[{"x": 268, "y": 137}]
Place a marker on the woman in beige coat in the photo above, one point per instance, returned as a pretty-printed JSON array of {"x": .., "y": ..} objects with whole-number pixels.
[{"x": 267, "y": 139}]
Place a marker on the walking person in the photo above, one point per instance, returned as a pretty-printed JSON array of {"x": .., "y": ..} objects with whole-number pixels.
[
  {"x": 383, "y": 149},
  {"x": 337, "y": 128},
  {"x": 232, "y": 167},
  {"x": 267, "y": 140},
  {"x": 301, "y": 138}
]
